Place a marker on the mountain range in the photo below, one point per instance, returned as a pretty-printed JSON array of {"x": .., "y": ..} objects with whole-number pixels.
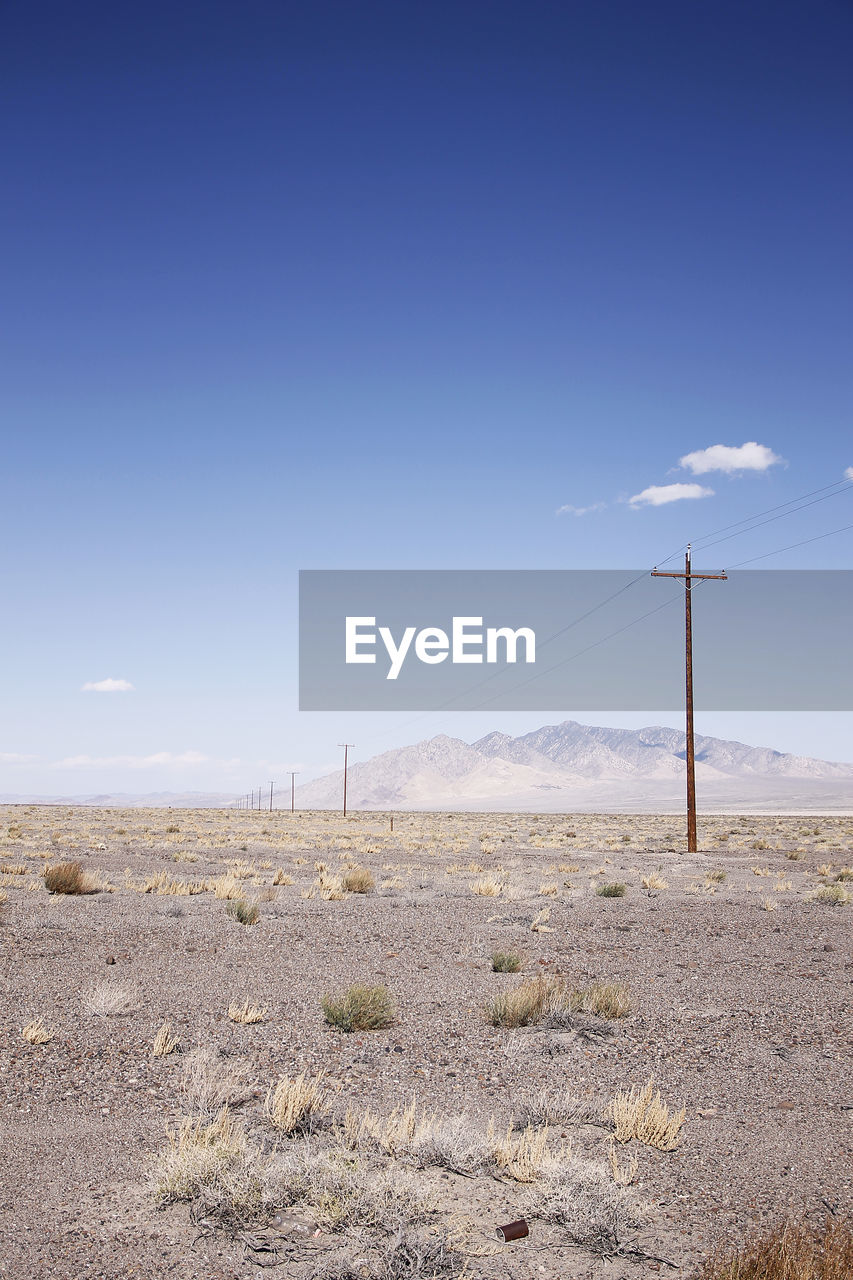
[{"x": 578, "y": 767}]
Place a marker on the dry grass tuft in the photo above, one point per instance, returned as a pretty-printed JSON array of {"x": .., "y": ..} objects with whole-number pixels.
[
  {"x": 654, "y": 881},
  {"x": 525, "y": 1004},
  {"x": 68, "y": 877},
  {"x": 523, "y": 1156},
  {"x": 281, "y": 877},
  {"x": 359, "y": 1008},
  {"x": 802, "y": 1252},
  {"x": 487, "y": 887},
  {"x": 358, "y": 880},
  {"x": 506, "y": 961},
  {"x": 245, "y": 912},
  {"x": 612, "y": 889},
  {"x": 623, "y": 1174},
  {"x": 295, "y": 1104},
  {"x": 162, "y": 882},
  {"x": 606, "y": 1000},
  {"x": 640, "y": 1113},
  {"x": 165, "y": 1042},
  {"x": 212, "y": 1163},
  {"x": 36, "y": 1032},
  {"x": 246, "y": 1013}
]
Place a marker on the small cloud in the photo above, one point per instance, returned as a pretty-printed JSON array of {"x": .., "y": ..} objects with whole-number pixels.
[
  {"x": 729, "y": 458},
  {"x": 107, "y": 686},
  {"x": 14, "y": 757},
  {"x": 132, "y": 762},
  {"x": 657, "y": 495},
  {"x": 569, "y": 510},
  {"x": 848, "y": 474}
]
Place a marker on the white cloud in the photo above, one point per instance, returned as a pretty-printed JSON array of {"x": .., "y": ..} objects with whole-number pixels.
[
  {"x": 848, "y": 474},
  {"x": 107, "y": 686},
  {"x": 657, "y": 495},
  {"x": 14, "y": 757},
  {"x": 569, "y": 510},
  {"x": 728, "y": 458},
  {"x": 133, "y": 762}
]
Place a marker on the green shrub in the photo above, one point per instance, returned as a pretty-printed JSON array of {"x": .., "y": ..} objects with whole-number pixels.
[
  {"x": 506, "y": 961},
  {"x": 359, "y": 1008},
  {"x": 611, "y": 890}
]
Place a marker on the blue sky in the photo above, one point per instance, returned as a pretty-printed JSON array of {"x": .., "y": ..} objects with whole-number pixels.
[{"x": 388, "y": 285}]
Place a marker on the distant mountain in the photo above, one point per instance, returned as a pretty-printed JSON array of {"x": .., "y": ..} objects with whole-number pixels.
[
  {"x": 572, "y": 766},
  {"x": 130, "y": 800}
]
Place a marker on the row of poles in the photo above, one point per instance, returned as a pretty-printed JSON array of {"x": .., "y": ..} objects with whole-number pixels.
[
  {"x": 689, "y": 576},
  {"x": 258, "y": 799}
]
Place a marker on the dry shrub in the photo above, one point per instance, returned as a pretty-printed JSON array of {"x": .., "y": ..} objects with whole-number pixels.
[
  {"x": 506, "y": 961},
  {"x": 611, "y": 889},
  {"x": 109, "y": 999},
  {"x": 563, "y": 1107},
  {"x": 209, "y": 1083},
  {"x": 226, "y": 887},
  {"x": 582, "y": 1198},
  {"x": 246, "y": 1013},
  {"x": 68, "y": 877},
  {"x": 4, "y": 897},
  {"x": 487, "y": 887},
  {"x": 790, "y": 1252},
  {"x": 359, "y": 1008},
  {"x": 295, "y": 1104},
  {"x": 640, "y": 1113},
  {"x": 36, "y": 1032},
  {"x": 622, "y": 1174},
  {"x": 281, "y": 877},
  {"x": 654, "y": 881},
  {"x": 358, "y": 880},
  {"x": 213, "y": 1163},
  {"x": 13, "y": 869},
  {"x": 523, "y": 1005},
  {"x": 165, "y": 1042},
  {"x": 331, "y": 887},
  {"x": 523, "y": 1156}
]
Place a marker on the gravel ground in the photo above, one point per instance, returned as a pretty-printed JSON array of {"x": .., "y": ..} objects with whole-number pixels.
[{"x": 740, "y": 988}]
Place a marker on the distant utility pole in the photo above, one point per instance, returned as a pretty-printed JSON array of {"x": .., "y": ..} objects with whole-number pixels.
[
  {"x": 346, "y": 746},
  {"x": 689, "y": 578},
  {"x": 271, "y": 787},
  {"x": 293, "y": 773}
]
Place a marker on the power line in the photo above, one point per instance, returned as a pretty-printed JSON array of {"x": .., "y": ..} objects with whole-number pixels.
[{"x": 792, "y": 546}]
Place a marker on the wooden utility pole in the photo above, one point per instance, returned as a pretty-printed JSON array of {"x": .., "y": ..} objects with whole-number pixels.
[
  {"x": 293, "y": 773},
  {"x": 346, "y": 746},
  {"x": 689, "y": 578},
  {"x": 271, "y": 787}
]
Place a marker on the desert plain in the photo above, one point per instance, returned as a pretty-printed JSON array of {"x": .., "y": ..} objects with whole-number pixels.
[{"x": 178, "y": 1101}]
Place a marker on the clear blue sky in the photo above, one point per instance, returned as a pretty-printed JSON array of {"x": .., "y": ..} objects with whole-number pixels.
[{"x": 387, "y": 285}]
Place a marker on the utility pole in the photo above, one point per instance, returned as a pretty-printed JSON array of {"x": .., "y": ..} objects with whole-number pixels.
[
  {"x": 689, "y": 578},
  {"x": 271, "y": 787},
  {"x": 346, "y": 746},
  {"x": 293, "y": 773}
]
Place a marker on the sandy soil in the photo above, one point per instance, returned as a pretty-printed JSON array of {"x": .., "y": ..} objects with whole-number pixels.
[{"x": 740, "y": 985}]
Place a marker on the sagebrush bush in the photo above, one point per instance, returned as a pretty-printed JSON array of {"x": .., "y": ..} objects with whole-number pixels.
[
  {"x": 506, "y": 961},
  {"x": 359, "y": 1008}
]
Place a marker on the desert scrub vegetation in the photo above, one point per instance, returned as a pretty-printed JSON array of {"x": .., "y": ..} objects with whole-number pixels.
[
  {"x": 358, "y": 880},
  {"x": 586, "y": 1201},
  {"x": 487, "y": 887},
  {"x": 165, "y": 1042},
  {"x": 359, "y": 1008},
  {"x": 790, "y": 1252},
  {"x": 833, "y": 894},
  {"x": 553, "y": 997},
  {"x": 68, "y": 877},
  {"x": 111, "y": 999},
  {"x": 244, "y": 912},
  {"x": 212, "y": 1163},
  {"x": 281, "y": 877},
  {"x": 36, "y": 1032},
  {"x": 640, "y": 1113},
  {"x": 611, "y": 889},
  {"x": 296, "y": 1104},
  {"x": 246, "y": 1013},
  {"x": 506, "y": 961},
  {"x": 654, "y": 881},
  {"x": 209, "y": 1083}
]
